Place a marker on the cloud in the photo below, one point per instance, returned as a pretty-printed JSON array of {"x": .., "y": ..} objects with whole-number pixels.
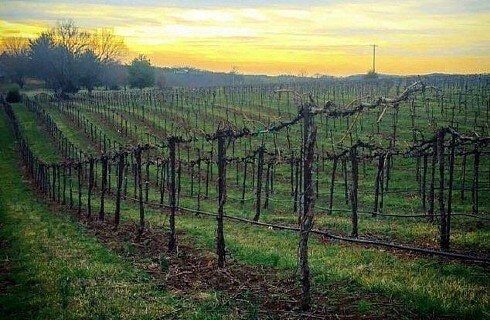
[{"x": 318, "y": 36}]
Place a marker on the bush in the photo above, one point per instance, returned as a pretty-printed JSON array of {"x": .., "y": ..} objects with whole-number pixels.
[
  {"x": 141, "y": 73},
  {"x": 13, "y": 94}
]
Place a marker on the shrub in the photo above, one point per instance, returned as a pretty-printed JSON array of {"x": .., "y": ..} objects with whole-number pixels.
[{"x": 13, "y": 94}]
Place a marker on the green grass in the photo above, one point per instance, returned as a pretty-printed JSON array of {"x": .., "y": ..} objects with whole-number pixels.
[
  {"x": 432, "y": 287},
  {"x": 74, "y": 136},
  {"x": 429, "y": 286},
  {"x": 55, "y": 270},
  {"x": 38, "y": 140}
]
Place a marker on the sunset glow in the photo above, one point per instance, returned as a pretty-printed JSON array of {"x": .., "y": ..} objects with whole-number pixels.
[{"x": 294, "y": 37}]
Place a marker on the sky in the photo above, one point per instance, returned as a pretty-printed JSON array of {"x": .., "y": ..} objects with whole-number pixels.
[{"x": 280, "y": 37}]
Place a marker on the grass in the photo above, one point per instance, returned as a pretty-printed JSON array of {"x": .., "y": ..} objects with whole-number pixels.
[
  {"x": 432, "y": 287},
  {"x": 74, "y": 136},
  {"x": 38, "y": 140},
  {"x": 54, "y": 270}
]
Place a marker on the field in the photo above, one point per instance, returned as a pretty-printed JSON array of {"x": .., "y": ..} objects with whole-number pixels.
[{"x": 225, "y": 202}]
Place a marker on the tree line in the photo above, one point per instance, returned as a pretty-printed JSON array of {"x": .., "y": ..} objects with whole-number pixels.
[{"x": 68, "y": 58}]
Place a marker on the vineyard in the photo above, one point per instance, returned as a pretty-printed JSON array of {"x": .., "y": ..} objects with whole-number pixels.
[{"x": 280, "y": 194}]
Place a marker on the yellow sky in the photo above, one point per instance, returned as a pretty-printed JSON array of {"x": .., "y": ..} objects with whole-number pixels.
[{"x": 331, "y": 38}]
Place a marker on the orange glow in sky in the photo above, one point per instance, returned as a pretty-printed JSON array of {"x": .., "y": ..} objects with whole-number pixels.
[{"x": 293, "y": 37}]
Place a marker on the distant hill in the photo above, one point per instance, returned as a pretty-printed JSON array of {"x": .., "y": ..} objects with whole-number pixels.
[{"x": 192, "y": 77}]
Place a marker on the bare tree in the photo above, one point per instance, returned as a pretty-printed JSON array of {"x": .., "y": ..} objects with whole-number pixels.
[
  {"x": 14, "y": 59},
  {"x": 66, "y": 57},
  {"x": 67, "y": 34},
  {"x": 107, "y": 46},
  {"x": 14, "y": 45}
]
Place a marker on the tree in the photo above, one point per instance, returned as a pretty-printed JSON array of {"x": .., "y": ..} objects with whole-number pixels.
[
  {"x": 141, "y": 73},
  {"x": 113, "y": 75},
  {"x": 160, "y": 79},
  {"x": 89, "y": 69},
  {"x": 371, "y": 75},
  {"x": 107, "y": 46},
  {"x": 41, "y": 58},
  {"x": 67, "y": 58},
  {"x": 14, "y": 59},
  {"x": 71, "y": 37},
  {"x": 54, "y": 63}
]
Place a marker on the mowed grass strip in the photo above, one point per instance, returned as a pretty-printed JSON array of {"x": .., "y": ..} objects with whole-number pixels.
[{"x": 38, "y": 138}]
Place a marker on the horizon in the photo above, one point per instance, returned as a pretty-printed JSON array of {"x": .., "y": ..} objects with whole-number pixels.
[
  {"x": 313, "y": 76},
  {"x": 322, "y": 37}
]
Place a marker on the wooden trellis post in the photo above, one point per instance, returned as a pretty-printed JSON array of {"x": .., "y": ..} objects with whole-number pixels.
[
  {"x": 245, "y": 164},
  {"x": 354, "y": 190},
  {"x": 70, "y": 183},
  {"x": 90, "y": 187},
  {"x": 332, "y": 185},
  {"x": 474, "y": 187},
  {"x": 199, "y": 181},
  {"x": 172, "y": 241},
  {"x": 424, "y": 184},
  {"x": 63, "y": 201},
  {"x": 58, "y": 182},
  {"x": 79, "y": 174},
  {"x": 103, "y": 187},
  {"x": 432, "y": 182},
  {"x": 273, "y": 175},
  {"x": 260, "y": 169},
  {"x": 377, "y": 185},
  {"x": 120, "y": 174},
  {"x": 140, "y": 189},
  {"x": 306, "y": 215},
  {"x": 450, "y": 191},
  {"x": 442, "y": 210},
  {"x": 220, "y": 238},
  {"x": 291, "y": 176}
]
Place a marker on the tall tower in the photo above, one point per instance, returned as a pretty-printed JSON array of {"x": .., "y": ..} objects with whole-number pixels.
[{"x": 374, "y": 58}]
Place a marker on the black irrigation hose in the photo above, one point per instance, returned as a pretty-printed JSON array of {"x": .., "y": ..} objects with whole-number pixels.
[
  {"x": 364, "y": 241},
  {"x": 403, "y": 215},
  {"x": 404, "y": 247},
  {"x": 354, "y": 240}
]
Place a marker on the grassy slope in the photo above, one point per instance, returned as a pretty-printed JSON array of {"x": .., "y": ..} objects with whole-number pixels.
[
  {"x": 40, "y": 143},
  {"x": 55, "y": 270},
  {"x": 428, "y": 285}
]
